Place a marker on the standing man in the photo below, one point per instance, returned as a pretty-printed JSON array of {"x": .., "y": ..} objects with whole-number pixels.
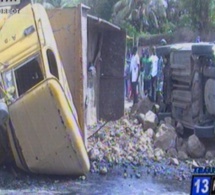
[
  {"x": 154, "y": 60},
  {"x": 147, "y": 73},
  {"x": 134, "y": 72}
]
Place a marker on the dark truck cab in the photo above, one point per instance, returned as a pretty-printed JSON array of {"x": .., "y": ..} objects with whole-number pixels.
[{"x": 189, "y": 85}]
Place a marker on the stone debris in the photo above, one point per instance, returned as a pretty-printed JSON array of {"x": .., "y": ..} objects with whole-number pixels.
[
  {"x": 179, "y": 128},
  {"x": 172, "y": 152},
  {"x": 150, "y": 120},
  {"x": 132, "y": 140},
  {"x": 194, "y": 164},
  {"x": 103, "y": 170},
  {"x": 150, "y": 133},
  {"x": 210, "y": 155},
  {"x": 140, "y": 117},
  {"x": 174, "y": 161},
  {"x": 144, "y": 106},
  {"x": 166, "y": 138},
  {"x": 182, "y": 155},
  {"x": 195, "y": 148}
]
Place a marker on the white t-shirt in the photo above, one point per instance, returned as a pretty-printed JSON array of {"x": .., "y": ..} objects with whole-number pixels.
[
  {"x": 135, "y": 61},
  {"x": 154, "y": 60}
]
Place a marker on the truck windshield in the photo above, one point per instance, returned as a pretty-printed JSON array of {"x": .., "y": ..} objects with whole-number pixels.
[
  {"x": 28, "y": 75},
  {"x": 21, "y": 79}
]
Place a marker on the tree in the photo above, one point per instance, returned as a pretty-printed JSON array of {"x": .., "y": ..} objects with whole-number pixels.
[
  {"x": 101, "y": 8},
  {"x": 201, "y": 13},
  {"x": 144, "y": 15},
  {"x": 50, "y": 4}
]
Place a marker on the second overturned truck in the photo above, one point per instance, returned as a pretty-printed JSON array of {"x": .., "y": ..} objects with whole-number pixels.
[{"x": 189, "y": 85}]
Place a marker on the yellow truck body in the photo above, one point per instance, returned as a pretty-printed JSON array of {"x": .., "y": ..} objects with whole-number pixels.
[
  {"x": 51, "y": 92},
  {"x": 43, "y": 129}
]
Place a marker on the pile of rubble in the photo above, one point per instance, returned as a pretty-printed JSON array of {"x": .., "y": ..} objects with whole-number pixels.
[{"x": 138, "y": 136}]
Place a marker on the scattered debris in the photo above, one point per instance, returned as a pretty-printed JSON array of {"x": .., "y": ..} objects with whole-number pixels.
[
  {"x": 150, "y": 120},
  {"x": 131, "y": 140},
  {"x": 182, "y": 155},
  {"x": 195, "y": 148},
  {"x": 103, "y": 170}
]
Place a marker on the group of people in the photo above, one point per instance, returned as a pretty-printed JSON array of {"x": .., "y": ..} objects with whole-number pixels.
[{"x": 143, "y": 75}]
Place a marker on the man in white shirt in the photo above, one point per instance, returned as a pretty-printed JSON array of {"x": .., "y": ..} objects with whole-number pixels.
[
  {"x": 154, "y": 60},
  {"x": 134, "y": 71}
]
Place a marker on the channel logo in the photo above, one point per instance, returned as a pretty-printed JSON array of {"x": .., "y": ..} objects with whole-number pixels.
[
  {"x": 9, "y": 2},
  {"x": 203, "y": 181}
]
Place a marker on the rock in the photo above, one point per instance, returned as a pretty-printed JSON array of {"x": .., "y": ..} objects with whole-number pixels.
[
  {"x": 158, "y": 154},
  {"x": 150, "y": 133},
  {"x": 112, "y": 133},
  {"x": 174, "y": 161},
  {"x": 179, "y": 128},
  {"x": 210, "y": 155},
  {"x": 136, "y": 122},
  {"x": 103, "y": 170},
  {"x": 82, "y": 177},
  {"x": 118, "y": 133},
  {"x": 179, "y": 143},
  {"x": 195, "y": 148},
  {"x": 183, "y": 147},
  {"x": 172, "y": 152},
  {"x": 130, "y": 158},
  {"x": 116, "y": 150},
  {"x": 168, "y": 120},
  {"x": 125, "y": 175},
  {"x": 101, "y": 136},
  {"x": 126, "y": 122},
  {"x": 138, "y": 175},
  {"x": 163, "y": 128},
  {"x": 140, "y": 117},
  {"x": 182, "y": 155},
  {"x": 150, "y": 120},
  {"x": 161, "y": 122},
  {"x": 155, "y": 108},
  {"x": 94, "y": 154},
  {"x": 194, "y": 164},
  {"x": 144, "y": 106},
  {"x": 166, "y": 140}
]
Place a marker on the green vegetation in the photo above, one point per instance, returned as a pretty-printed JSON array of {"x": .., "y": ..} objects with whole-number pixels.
[{"x": 142, "y": 17}]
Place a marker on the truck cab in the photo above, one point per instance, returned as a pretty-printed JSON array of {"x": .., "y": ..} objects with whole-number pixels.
[{"x": 43, "y": 128}]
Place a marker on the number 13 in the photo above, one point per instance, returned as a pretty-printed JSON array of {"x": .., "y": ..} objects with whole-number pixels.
[{"x": 205, "y": 183}]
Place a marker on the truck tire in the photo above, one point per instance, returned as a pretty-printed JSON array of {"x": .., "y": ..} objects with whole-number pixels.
[
  {"x": 204, "y": 131},
  {"x": 209, "y": 96},
  {"x": 202, "y": 49}
]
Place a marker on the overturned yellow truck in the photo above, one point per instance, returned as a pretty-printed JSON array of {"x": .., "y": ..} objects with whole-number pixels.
[
  {"x": 43, "y": 128},
  {"x": 47, "y": 89}
]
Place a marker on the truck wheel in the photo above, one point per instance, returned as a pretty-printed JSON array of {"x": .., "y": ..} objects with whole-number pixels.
[
  {"x": 209, "y": 96},
  {"x": 204, "y": 131},
  {"x": 202, "y": 49}
]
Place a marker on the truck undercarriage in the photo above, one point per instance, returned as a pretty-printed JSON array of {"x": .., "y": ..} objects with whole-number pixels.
[{"x": 189, "y": 85}]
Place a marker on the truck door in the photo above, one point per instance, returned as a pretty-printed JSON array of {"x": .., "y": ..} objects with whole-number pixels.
[{"x": 111, "y": 84}]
